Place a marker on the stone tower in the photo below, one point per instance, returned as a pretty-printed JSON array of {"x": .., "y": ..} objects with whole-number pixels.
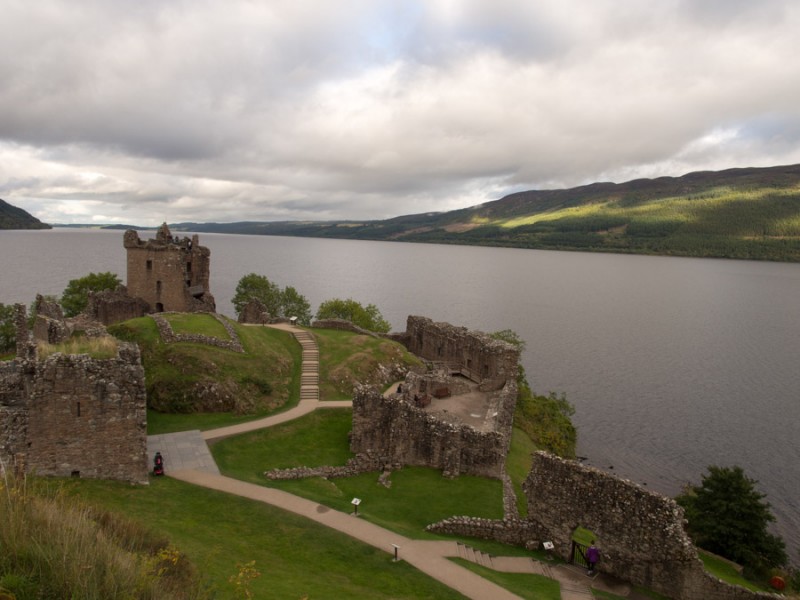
[{"x": 169, "y": 273}]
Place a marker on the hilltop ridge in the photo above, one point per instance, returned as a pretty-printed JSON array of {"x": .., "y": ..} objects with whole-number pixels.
[
  {"x": 12, "y": 217},
  {"x": 751, "y": 213}
]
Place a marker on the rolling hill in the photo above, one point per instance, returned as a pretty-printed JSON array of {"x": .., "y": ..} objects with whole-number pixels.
[
  {"x": 12, "y": 217},
  {"x": 751, "y": 213}
]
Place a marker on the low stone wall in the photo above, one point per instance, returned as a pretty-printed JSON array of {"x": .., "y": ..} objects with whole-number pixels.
[
  {"x": 342, "y": 325},
  {"x": 407, "y": 435},
  {"x": 363, "y": 463},
  {"x": 516, "y": 532},
  {"x": 168, "y": 335}
]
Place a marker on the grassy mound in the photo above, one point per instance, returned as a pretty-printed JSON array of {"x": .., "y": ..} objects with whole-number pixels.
[
  {"x": 347, "y": 358},
  {"x": 186, "y": 377}
]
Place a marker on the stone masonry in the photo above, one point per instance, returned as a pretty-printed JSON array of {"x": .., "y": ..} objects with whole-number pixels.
[
  {"x": 641, "y": 534},
  {"x": 71, "y": 415},
  {"x": 169, "y": 273},
  {"x": 474, "y": 354}
]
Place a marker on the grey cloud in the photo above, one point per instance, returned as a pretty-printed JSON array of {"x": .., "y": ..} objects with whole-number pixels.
[{"x": 364, "y": 109}]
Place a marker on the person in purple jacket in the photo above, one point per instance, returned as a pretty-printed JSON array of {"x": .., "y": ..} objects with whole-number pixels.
[{"x": 592, "y": 556}]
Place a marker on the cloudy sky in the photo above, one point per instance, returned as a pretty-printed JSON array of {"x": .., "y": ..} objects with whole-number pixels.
[{"x": 171, "y": 110}]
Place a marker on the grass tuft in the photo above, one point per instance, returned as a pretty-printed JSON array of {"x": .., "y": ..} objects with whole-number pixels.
[{"x": 101, "y": 348}]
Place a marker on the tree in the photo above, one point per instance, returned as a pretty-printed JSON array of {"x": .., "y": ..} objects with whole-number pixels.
[
  {"x": 257, "y": 287},
  {"x": 729, "y": 517},
  {"x": 367, "y": 317},
  {"x": 512, "y": 337},
  {"x": 545, "y": 419},
  {"x": 76, "y": 295},
  {"x": 8, "y": 330},
  {"x": 280, "y": 303},
  {"x": 296, "y": 305}
]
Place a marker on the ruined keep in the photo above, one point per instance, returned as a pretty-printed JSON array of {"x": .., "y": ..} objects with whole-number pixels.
[
  {"x": 457, "y": 417},
  {"x": 169, "y": 273},
  {"x": 72, "y": 415},
  {"x": 473, "y": 354}
]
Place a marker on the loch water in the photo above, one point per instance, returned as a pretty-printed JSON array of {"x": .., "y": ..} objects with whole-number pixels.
[{"x": 672, "y": 364}]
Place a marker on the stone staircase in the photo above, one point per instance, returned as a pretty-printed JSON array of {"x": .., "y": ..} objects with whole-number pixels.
[{"x": 309, "y": 376}]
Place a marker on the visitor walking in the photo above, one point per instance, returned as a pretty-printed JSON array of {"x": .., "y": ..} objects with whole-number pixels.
[{"x": 592, "y": 556}]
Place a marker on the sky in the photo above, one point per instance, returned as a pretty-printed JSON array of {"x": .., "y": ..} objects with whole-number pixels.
[{"x": 198, "y": 110}]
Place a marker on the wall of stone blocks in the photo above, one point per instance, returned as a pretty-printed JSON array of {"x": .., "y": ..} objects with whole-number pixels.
[
  {"x": 474, "y": 354},
  {"x": 405, "y": 435},
  {"x": 640, "y": 533},
  {"x": 74, "y": 415},
  {"x": 164, "y": 271}
]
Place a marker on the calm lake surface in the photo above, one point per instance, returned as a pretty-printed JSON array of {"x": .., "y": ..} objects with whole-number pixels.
[{"x": 672, "y": 364}]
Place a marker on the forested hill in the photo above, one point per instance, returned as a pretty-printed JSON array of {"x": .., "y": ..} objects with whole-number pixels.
[
  {"x": 738, "y": 213},
  {"x": 12, "y": 217}
]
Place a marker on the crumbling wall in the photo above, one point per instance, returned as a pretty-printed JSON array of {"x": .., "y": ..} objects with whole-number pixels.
[
  {"x": 114, "y": 306},
  {"x": 87, "y": 417},
  {"x": 255, "y": 312},
  {"x": 74, "y": 415},
  {"x": 343, "y": 325},
  {"x": 641, "y": 534},
  {"x": 474, "y": 354},
  {"x": 168, "y": 335},
  {"x": 13, "y": 415},
  {"x": 169, "y": 273},
  {"x": 406, "y": 435}
]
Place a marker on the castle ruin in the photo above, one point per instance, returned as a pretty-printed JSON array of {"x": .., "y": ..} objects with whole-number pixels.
[
  {"x": 457, "y": 417},
  {"x": 72, "y": 415},
  {"x": 169, "y": 273}
]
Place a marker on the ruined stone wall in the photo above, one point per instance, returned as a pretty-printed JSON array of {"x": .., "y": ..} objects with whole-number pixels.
[
  {"x": 640, "y": 534},
  {"x": 475, "y": 355},
  {"x": 403, "y": 434},
  {"x": 343, "y": 325},
  {"x": 114, "y": 306},
  {"x": 168, "y": 335},
  {"x": 74, "y": 415},
  {"x": 255, "y": 312},
  {"x": 88, "y": 417},
  {"x": 13, "y": 414},
  {"x": 516, "y": 532},
  {"x": 169, "y": 273}
]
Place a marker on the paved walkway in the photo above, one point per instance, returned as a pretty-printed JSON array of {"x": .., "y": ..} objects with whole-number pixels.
[{"x": 187, "y": 457}]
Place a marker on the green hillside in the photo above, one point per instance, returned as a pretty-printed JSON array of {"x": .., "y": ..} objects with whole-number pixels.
[
  {"x": 738, "y": 213},
  {"x": 12, "y": 217}
]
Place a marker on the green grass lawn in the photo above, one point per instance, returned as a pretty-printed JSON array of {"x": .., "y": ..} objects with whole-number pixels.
[
  {"x": 725, "y": 571},
  {"x": 418, "y": 496},
  {"x": 347, "y": 358},
  {"x": 263, "y": 379},
  {"x": 524, "y": 585},
  {"x": 296, "y": 557},
  {"x": 197, "y": 323},
  {"x": 518, "y": 464},
  {"x": 316, "y": 439}
]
